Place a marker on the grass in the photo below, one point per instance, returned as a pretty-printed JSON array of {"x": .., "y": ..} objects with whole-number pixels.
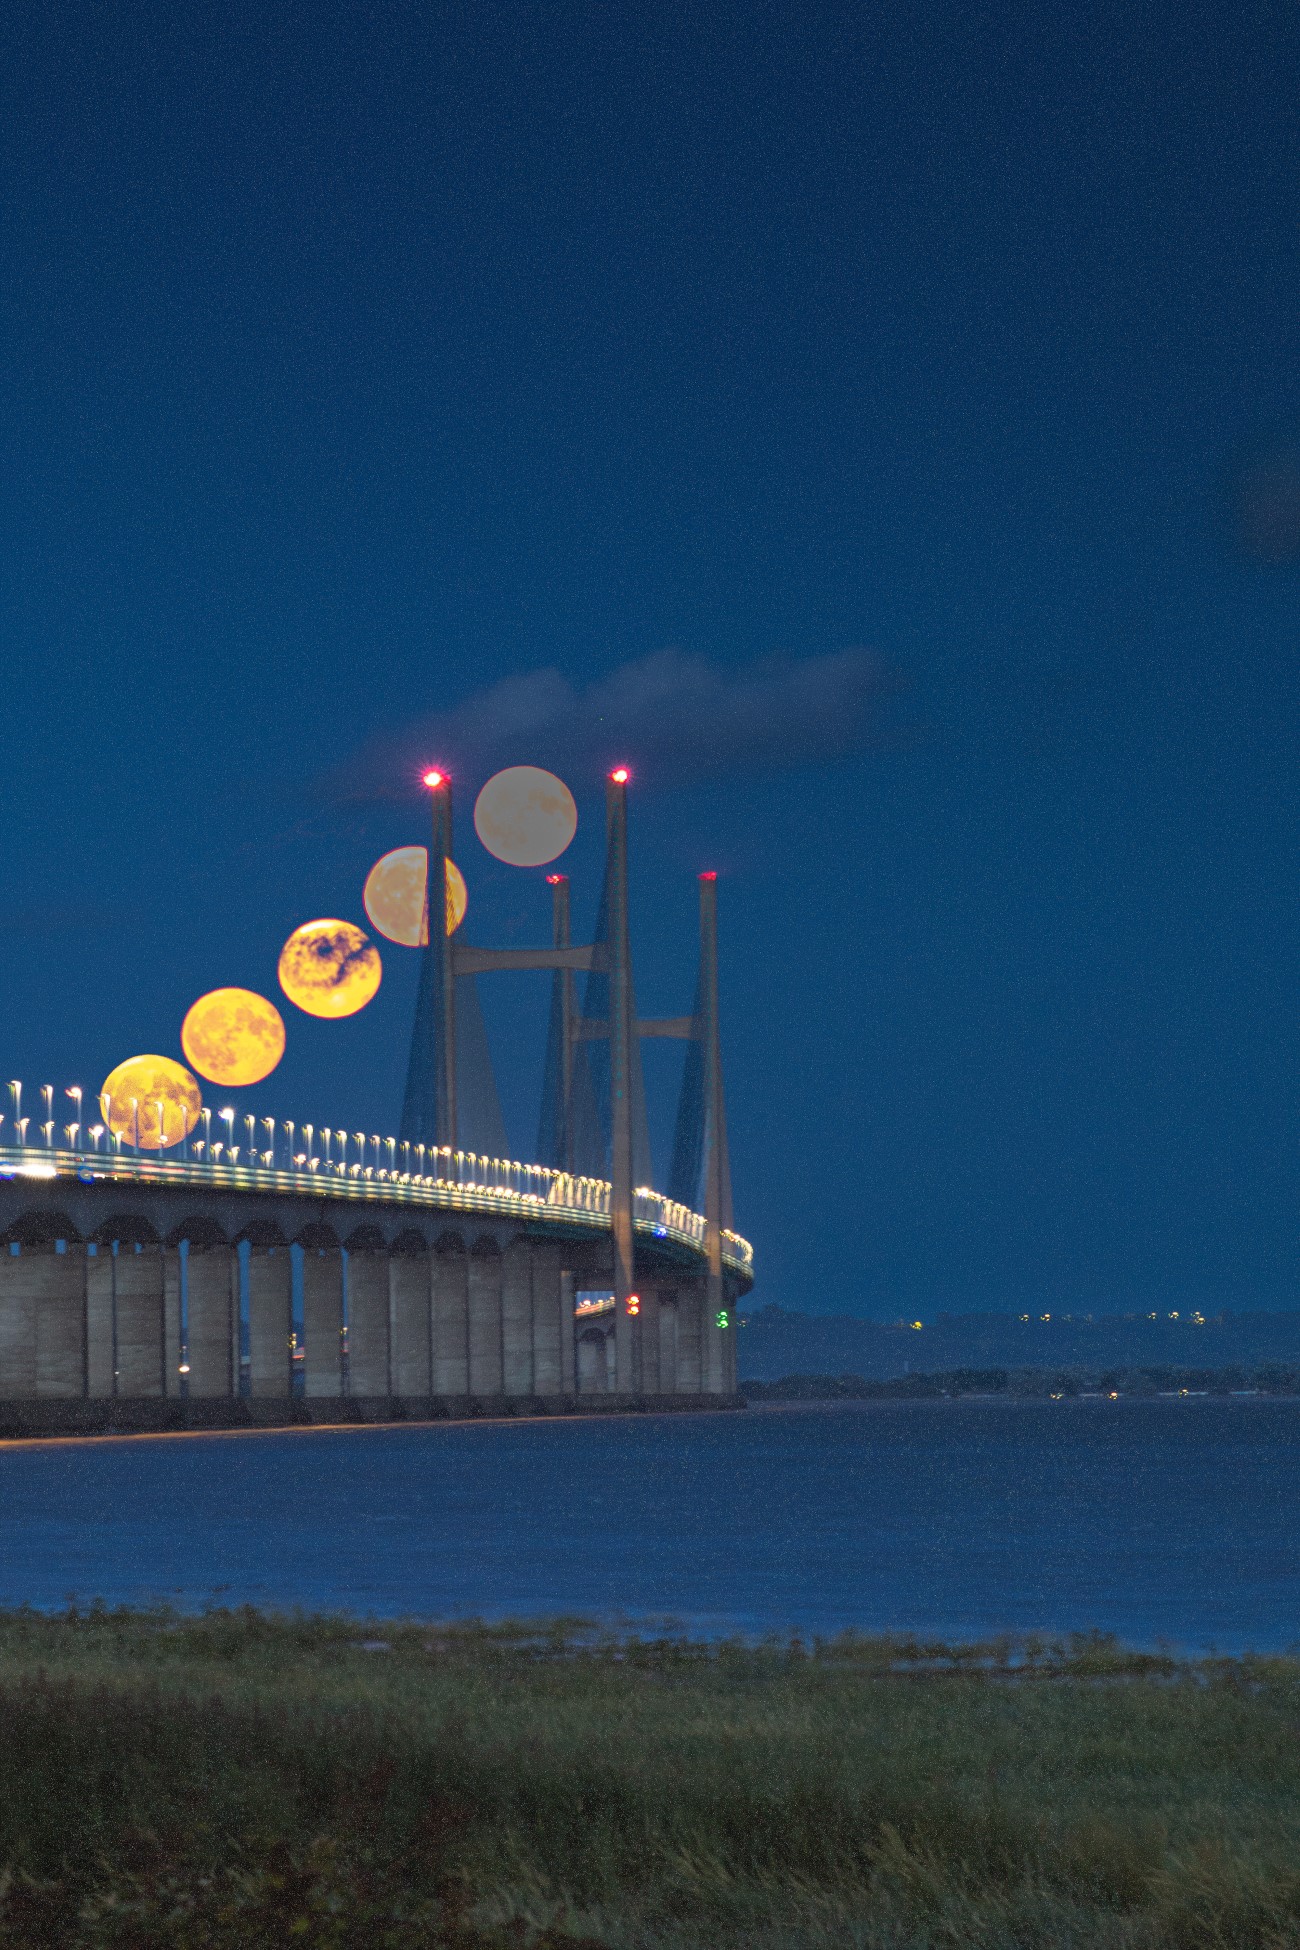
[{"x": 240, "y": 1779}]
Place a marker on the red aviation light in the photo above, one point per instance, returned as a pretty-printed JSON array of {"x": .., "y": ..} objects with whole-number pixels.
[
  {"x": 634, "y": 1304},
  {"x": 620, "y": 775},
  {"x": 434, "y": 779},
  {"x": 556, "y": 879},
  {"x": 708, "y": 876}
]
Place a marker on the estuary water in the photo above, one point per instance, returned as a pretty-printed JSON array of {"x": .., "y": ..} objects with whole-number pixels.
[{"x": 1165, "y": 1521}]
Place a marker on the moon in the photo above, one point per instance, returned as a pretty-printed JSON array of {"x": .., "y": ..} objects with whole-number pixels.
[
  {"x": 233, "y": 1036},
  {"x": 394, "y": 895},
  {"x": 330, "y": 968},
  {"x": 150, "y": 1101},
  {"x": 525, "y": 816}
]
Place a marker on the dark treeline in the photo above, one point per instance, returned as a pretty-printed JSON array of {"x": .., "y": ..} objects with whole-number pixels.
[{"x": 1028, "y": 1383}]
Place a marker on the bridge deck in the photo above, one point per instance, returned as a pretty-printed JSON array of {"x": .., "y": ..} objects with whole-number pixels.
[{"x": 496, "y": 1186}]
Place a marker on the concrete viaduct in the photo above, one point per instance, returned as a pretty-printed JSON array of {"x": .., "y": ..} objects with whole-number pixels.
[{"x": 138, "y": 1293}]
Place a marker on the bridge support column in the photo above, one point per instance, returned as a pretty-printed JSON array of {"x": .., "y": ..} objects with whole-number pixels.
[
  {"x": 368, "y": 1351},
  {"x": 408, "y": 1286},
  {"x": 667, "y": 1337},
  {"x": 485, "y": 1372},
  {"x": 140, "y": 1303},
  {"x": 171, "y": 1321},
  {"x": 322, "y": 1320},
  {"x": 19, "y": 1288},
  {"x": 99, "y": 1322},
  {"x": 450, "y": 1319},
  {"x": 54, "y": 1299},
  {"x": 714, "y": 1338},
  {"x": 270, "y": 1320},
  {"x": 690, "y": 1337},
  {"x": 212, "y": 1282},
  {"x": 649, "y": 1319},
  {"x": 548, "y": 1321},
  {"x": 595, "y": 1360},
  {"x": 568, "y": 1336},
  {"x": 517, "y": 1319}
]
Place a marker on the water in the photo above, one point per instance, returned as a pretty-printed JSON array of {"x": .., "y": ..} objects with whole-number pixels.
[{"x": 1161, "y": 1521}]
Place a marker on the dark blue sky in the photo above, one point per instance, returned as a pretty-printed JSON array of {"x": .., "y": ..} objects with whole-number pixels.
[{"x": 360, "y": 358}]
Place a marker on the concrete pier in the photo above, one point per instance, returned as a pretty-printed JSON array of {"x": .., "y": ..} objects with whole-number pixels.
[
  {"x": 138, "y": 1288},
  {"x": 61, "y": 1322},
  {"x": 410, "y": 1320},
  {"x": 485, "y": 1368},
  {"x": 172, "y": 1310},
  {"x": 368, "y": 1353},
  {"x": 517, "y": 1320},
  {"x": 270, "y": 1320},
  {"x": 667, "y": 1337},
  {"x": 322, "y": 1320},
  {"x": 650, "y": 1340},
  {"x": 450, "y": 1317},
  {"x": 100, "y": 1353},
  {"x": 22, "y": 1274},
  {"x": 548, "y": 1324},
  {"x": 212, "y": 1295},
  {"x": 568, "y": 1338},
  {"x": 687, "y": 1377},
  {"x": 594, "y": 1361}
]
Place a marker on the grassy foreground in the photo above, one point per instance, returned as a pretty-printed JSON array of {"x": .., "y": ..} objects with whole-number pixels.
[{"x": 240, "y": 1780}]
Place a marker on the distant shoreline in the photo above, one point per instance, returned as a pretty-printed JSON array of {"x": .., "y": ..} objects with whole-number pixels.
[
  {"x": 1276, "y": 1382},
  {"x": 772, "y": 1404}
]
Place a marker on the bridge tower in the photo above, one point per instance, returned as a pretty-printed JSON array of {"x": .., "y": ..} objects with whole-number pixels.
[
  {"x": 579, "y": 1133},
  {"x": 429, "y": 1111}
]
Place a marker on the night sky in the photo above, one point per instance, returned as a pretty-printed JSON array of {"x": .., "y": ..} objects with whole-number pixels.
[{"x": 363, "y": 360}]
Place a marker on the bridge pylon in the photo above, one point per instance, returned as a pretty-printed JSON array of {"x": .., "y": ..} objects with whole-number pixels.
[{"x": 576, "y": 1125}]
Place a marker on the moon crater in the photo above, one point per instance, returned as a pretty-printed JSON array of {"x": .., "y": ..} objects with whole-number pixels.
[
  {"x": 233, "y": 1037},
  {"x": 330, "y": 968}
]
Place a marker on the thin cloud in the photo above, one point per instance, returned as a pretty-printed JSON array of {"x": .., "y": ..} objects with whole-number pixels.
[{"x": 678, "y": 718}]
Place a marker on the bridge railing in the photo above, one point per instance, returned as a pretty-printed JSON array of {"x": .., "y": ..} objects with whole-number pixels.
[{"x": 455, "y": 1181}]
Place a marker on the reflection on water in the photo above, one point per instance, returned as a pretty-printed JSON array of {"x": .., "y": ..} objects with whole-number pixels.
[{"x": 1172, "y": 1520}]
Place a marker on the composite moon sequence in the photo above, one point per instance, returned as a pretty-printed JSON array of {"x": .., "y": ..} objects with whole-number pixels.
[
  {"x": 394, "y": 895},
  {"x": 330, "y": 968},
  {"x": 525, "y": 816},
  {"x": 233, "y": 1037},
  {"x": 150, "y": 1101}
]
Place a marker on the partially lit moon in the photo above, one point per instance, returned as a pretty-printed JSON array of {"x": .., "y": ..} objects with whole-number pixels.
[
  {"x": 394, "y": 895},
  {"x": 330, "y": 968},
  {"x": 233, "y": 1036},
  {"x": 525, "y": 816},
  {"x": 150, "y": 1101}
]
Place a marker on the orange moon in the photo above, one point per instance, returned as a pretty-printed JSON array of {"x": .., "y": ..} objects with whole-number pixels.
[
  {"x": 233, "y": 1036},
  {"x": 330, "y": 968},
  {"x": 150, "y": 1101},
  {"x": 525, "y": 816},
  {"x": 394, "y": 895}
]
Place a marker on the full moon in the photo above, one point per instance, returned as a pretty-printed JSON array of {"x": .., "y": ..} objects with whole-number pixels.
[
  {"x": 525, "y": 816},
  {"x": 394, "y": 895},
  {"x": 150, "y": 1101},
  {"x": 233, "y": 1036},
  {"x": 329, "y": 968}
]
